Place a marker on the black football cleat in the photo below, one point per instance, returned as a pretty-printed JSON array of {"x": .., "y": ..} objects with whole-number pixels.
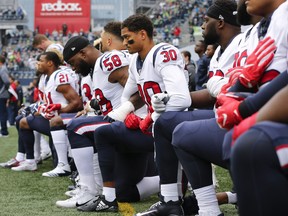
[
  {"x": 161, "y": 208},
  {"x": 99, "y": 204},
  {"x": 190, "y": 205}
]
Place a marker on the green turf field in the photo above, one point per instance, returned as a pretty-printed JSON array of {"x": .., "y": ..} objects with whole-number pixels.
[{"x": 28, "y": 193}]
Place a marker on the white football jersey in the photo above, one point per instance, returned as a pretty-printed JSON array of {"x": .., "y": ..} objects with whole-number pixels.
[
  {"x": 108, "y": 94},
  {"x": 222, "y": 62},
  {"x": 246, "y": 46},
  {"x": 162, "y": 70},
  {"x": 86, "y": 89},
  {"x": 127, "y": 54},
  {"x": 75, "y": 79},
  {"x": 278, "y": 30},
  {"x": 59, "y": 77}
]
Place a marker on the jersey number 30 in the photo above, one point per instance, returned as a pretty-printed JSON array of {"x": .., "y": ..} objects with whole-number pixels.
[{"x": 169, "y": 55}]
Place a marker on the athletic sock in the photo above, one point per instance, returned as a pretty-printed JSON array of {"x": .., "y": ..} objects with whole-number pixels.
[
  {"x": 207, "y": 200},
  {"x": 148, "y": 186},
  {"x": 169, "y": 192},
  {"x": 83, "y": 159},
  {"x": 109, "y": 193},
  {"x": 59, "y": 140}
]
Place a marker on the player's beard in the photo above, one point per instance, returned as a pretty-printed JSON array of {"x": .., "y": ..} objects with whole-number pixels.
[
  {"x": 84, "y": 68},
  {"x": 243, "y": 17},
  {"x": 211, "y": 37}
]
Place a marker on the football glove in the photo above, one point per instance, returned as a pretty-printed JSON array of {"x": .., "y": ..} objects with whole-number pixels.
[
  {"x": 257, "y": 62},
  {"x": 49, "y": 115},
  {"x": 54, "y": 107},
  {"x": 159, "y": 101},
  {"x": 227, "y": 109},
  {"x": 120, "y": 113},
  {"x": 243, "y": 126},
  {"x": 215, "y": 84},
  {"x": 40, "y": 107},
  {"x": 24, "y": 111},
  {"x": 233, "y": 74},
  {"x": 95, "y": 105},
  {"x": 146, "y": 124},
  {"x": 132, "y": 121},
  {"x": 33, "y": 108}
]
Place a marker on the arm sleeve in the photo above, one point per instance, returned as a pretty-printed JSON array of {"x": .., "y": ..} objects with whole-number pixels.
[
  {"x": 177, "y": 88},
  {"x": 253, "y": 103},
  {"x": 130, "y": 88}
]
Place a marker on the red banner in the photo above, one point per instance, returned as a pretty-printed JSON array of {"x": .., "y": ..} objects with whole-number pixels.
[{"x": 53, "y": 14}]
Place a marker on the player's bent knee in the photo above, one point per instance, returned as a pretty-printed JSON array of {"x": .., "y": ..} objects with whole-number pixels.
[
  {"x": 183, "y": 132},
  {"x": 56, "y": 122},
  {"x": 104, "y": 131},
  {"x": 24, "y": 124},
  {"x": 242, "y": 147},
  {"x": 164, "y": 118}
]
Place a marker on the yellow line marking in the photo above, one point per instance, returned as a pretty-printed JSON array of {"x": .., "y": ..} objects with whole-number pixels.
[{"x": 126, "y": 209}]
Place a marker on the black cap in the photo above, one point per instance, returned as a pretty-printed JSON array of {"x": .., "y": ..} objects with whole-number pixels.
[
  {"x": 73, "y": 46},
  {"x": 221, "y": 12}
]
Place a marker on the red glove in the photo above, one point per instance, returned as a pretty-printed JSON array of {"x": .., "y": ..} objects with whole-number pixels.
[
  {"x": 239, "y": 96},
  {"x": 257, "y": 62},
  {"x": 146, "y": 124},
  {"x": 233, "y": 74},
  {"x": 244, "y": 125},
  {"x": 132, "y": 121},
  {"x": 227, "y": 111},
  {"x": 48, "y": 115},
  {"x": 41, "y": 108},
  {"x": 53, "y": 107}
]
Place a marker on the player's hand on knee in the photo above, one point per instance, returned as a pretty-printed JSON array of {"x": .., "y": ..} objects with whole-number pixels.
[
  {"x": 132, "y": 121},
  {"x": 159, "y": 101},
  {"x": 80, "y": 113},
  {"x": 227, "y": 110},
  {"x": 49, "y": 115},
  {"x": 54, "y": 107},
  {"x": 94, "y": 104},
  {"x": 24, "y": 111},
  {"x": 38, "y": 108},
  {"x": 146, "y": 124},
  {"x": 120, "y": 113}
]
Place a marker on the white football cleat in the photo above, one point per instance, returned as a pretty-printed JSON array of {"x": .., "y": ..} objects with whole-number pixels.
[
  {"x": 59, "y": 171},
  {"x": 11, "y": 163},
  {"x": 81, "y": 198},
  {"x": 25, "y": 166},
  {"x": 72, "y": 193},
  {"x": 46, "y": 155}
]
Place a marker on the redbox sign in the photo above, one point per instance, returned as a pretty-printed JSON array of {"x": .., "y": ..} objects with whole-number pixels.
[
  {"x": 51, "y": 14},
  {"x": 60, "y": 6}
]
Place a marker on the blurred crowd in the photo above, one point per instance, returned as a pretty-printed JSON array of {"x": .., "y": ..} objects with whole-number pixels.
[
  {"x": 168, "y": 18},
  {"x": 170, "y": 15},
  {"x": 12, "y": 14}
]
